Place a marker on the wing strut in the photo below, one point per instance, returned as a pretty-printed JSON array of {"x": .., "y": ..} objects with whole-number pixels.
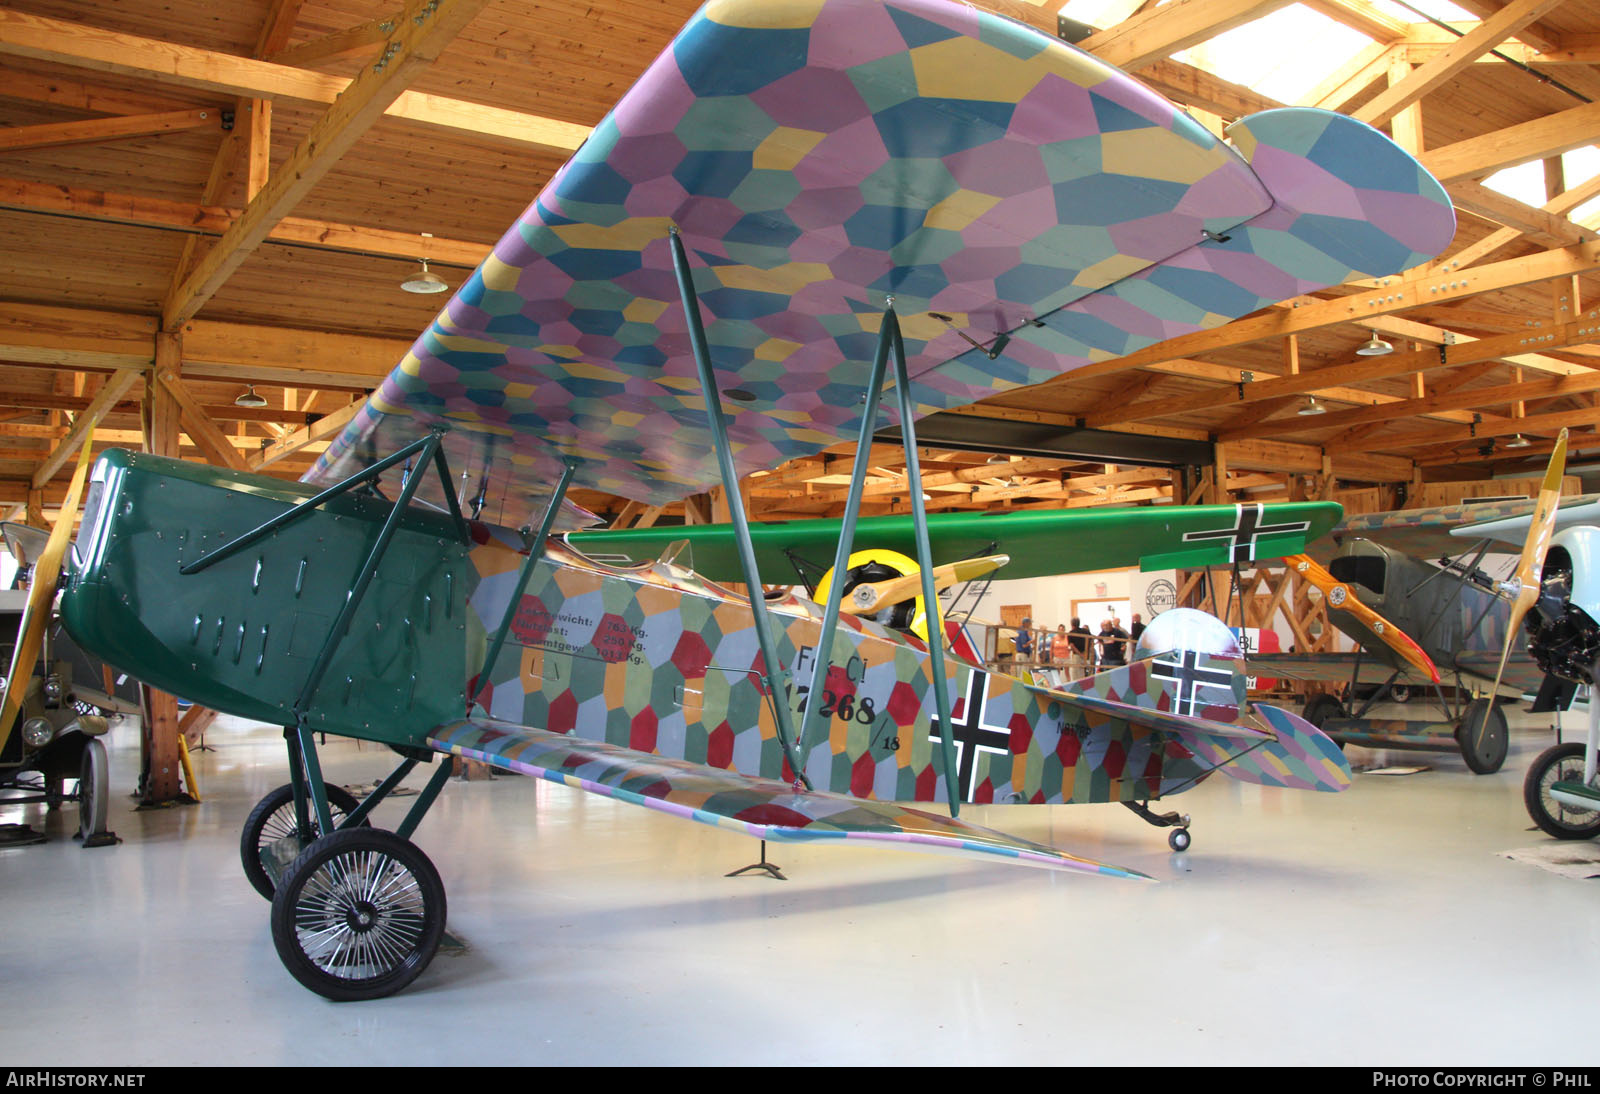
[
  {"x": 741, "y": 525},
  {"x": 535, "y": 553}
]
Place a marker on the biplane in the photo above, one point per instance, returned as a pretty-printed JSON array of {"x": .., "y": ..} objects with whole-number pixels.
[
  {"x": 1411, "y": 588},
  {"x": 804, "y": 223}
]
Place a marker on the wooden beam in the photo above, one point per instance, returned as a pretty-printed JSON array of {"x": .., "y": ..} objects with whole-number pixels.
[
  {"x": 1515, "y": 144},
  {"x": 213, "y": 220},
  {"x": 57, "y": 90},
  {"x": 201, "y": 429},
  {"x": 1355, "y": 76},
  {"x": 1398, "y": 296},
  {"x": 323, "y": 429},
  {"x": 428, "y": 27},
  {"x": 162, "y": 410},
  {"x": 20, "y": 138},
  {"x": 356, "y": 41},
  {"x": 1539, "y": 224},
  {"x": 1360, "y": 15},
  {"x": 115, "y": 387},
  {"x": 1459, "y": 435},
  {"x": 1544, "y": 387},
  {"x": 1198, "y": 89},
  {"x": 1488, "y": 34},
  {"x": 1172, "y": 27},
  {"x": 83, "y": 338},
  {"x": 96, "y": 49}
]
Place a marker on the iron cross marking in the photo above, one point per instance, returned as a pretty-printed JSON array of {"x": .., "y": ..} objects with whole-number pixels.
[
  {"x": 1191, "y": 677},
  {"x": 971, "y": 736},
  {"x": 1247, "y": 528}
]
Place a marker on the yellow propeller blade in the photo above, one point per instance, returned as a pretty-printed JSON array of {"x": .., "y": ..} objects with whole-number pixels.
[
  {"x": 1523, "y": 585},
  {"x": 41, "y": 598},
  {"x": 1343, "y": 597},
  {"x": 871, "y": 596}
]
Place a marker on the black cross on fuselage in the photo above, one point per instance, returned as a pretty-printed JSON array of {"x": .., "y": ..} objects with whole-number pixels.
[
  {"x": 1247, "y": 528},
  {"x": 1190, "y": 678},
  {"x": 970, "y": 730}
]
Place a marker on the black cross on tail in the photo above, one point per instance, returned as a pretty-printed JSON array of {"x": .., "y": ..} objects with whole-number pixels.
[
  {"x": 1191, "y": 677},
  {"x": 1247, "y": 528},
  {"x": 971, "y": 736}
]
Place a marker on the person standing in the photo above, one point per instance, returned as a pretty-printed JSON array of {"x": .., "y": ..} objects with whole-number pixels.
[
  {"x": 1113, "y": 644},
  {"x": 1136, "y": 629},
  {"x": 1060, "y": 646},
  {"x": 1082, "y": 657},
  {"x": 1025, "y": 641}
]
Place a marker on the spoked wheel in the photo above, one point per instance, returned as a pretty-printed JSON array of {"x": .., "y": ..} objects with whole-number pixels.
[
  {"x": 94, "y": 788},
  {"x": 273, "y": 819},
  {"x": 1561, "y": 764},
  {"x": 1483, "y": 737},
  {"x": 359, "y": 915}
]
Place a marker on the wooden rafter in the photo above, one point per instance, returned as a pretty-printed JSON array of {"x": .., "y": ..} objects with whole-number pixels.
[
  {"x": 42, "y": 38},
  {"x": 1159, "y": 32},
  {"x": 116, "y": 386},
  {"x": 1488, "y": 34},
  {"x": 211, "y": 220},
  {"x": 99, "y": 130},
  {"x": 411, "y": 49}
]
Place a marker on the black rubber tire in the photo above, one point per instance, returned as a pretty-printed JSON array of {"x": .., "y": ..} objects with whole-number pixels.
[
  {"x": 272, "y": 819},
  {"x": 1178, "y": 839},
  {"x": 1322, "y": 707},
  {"x": 94, "y": 790},
  {"x": 1483, "y": 736},
  {"x": 1400, "y": 693},
  {"x": 1562, "y": 763},
  {"x": 359, "y": 948}
]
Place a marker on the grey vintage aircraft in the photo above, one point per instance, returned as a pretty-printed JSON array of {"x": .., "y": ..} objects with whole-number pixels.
[{"x": 1418, "y": 575}]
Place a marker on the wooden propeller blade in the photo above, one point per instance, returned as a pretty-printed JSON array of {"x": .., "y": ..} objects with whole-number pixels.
[
  {"x": 872, "y": 595},
  {"x": 1524, "y": 582},
  {"x": 41, "y": 597},
  {"x": 1393, "y": 637}
]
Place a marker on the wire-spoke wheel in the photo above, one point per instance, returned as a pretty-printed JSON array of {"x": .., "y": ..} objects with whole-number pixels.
[
  {"x": 273, "y": 819},
  {"x": 359, "y": 915},
  {"x": 1560, "y": 764}
]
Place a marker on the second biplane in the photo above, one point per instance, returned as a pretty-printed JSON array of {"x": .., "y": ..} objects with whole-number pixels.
[{"x": 797, "y": 209}]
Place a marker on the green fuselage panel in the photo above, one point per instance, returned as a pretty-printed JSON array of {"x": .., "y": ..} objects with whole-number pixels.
[{"x": 242, "y": 636}]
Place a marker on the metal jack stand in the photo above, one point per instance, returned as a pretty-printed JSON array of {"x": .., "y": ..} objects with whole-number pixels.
[{"x": 770, "y": 868}]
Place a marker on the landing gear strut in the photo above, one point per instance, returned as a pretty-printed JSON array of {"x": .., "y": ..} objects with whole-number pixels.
[{"x": 1178, "y": 838}]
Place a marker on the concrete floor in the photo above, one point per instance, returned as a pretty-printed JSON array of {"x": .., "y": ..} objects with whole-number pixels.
[{"x": 1374, "y": 927}]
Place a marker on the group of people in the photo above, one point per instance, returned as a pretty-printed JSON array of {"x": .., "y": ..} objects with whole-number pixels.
[{"x": 1079, "y": 651}]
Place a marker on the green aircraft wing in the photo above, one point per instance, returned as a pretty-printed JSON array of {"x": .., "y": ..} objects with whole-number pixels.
[{"x": 1040, "y": 542}]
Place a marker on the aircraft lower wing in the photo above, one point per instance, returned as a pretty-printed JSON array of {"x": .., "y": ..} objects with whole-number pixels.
[
  {"x": 762, "y": 808},
  {"x": 1520, "y": 677}
]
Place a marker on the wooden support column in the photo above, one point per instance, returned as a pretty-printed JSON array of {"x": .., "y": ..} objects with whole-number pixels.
[
  {"x": 161, "y": 781},
  {"x": 161, "y": 429},
  {"x": 162, "y": 767}
]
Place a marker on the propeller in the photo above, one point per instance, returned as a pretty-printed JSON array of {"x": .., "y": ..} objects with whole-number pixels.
[
  {"x": 1341, "y": 596},
  {"x": 41, "y": 597},
  {"x": 1523, "y": 585},
  {"x": 870, "y": 596}
]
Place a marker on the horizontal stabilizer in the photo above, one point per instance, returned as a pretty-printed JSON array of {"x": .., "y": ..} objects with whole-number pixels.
[
  {"x": 763, "y": 808},
  {"x": 1301, "y": 758}
]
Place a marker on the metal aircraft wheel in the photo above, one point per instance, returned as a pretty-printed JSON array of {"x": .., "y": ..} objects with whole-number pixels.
[
  {"x": 1400, "y": 693},
  {"x": 1483, "y": 736},
  {"x": 94, "y": 789},
  {"x": 1561, "y": 764},
  {"x": 273, "y": 819},
  {"x": 1178, "y": 839},
  {"x": 359, "y": 914}
]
